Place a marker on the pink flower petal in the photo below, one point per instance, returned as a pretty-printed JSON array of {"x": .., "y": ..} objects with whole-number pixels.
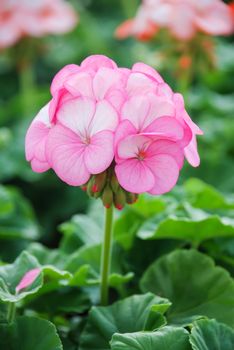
[
  {"x": 28, "y": 279},
  {"x": 105, "y": 79},
  {"x": 217, "y": 20},
  {"x": 65, "y": 152},
  {"x": 61, "y": 77},
  {"x": 105, "y": 118},
  {"x": 36, "y": 138},
  {"x": 38, "y": 166},
  {"x": 191, "y": 153},
  {"x": 166, "y": 173},
  {"x": 134, "y": 176},
  {"x": 116, "y": 98},
  {"x": 159, "y": 107},
  {"x": 130, "y": 146},
  {"x": 167, "y": 147},
  {"x": 125, "y": 128},
  {"x": 97, "y": 61},
  {"x": 80, "y": 84},
  {"x": 144, "y": 68},
  {"x": 77, "y": 114},
  {"x": 139, "y": 83},
  {"x": 99, "y": 154},
  {"x": 183, "y": 13},
  {"x": 135, "y": 110},
  {"x": 168, "y": 126}
]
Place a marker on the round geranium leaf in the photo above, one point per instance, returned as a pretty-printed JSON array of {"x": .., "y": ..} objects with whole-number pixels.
[
  {"x": 128, "y": 315},
  {"x": 194, "y": 285},
  {"x": 166, "y": 338},
  {"x": 210, "y": 334},
  {"x": 29, "y": 333}
]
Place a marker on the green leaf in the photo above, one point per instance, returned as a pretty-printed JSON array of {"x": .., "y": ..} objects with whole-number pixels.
[
  {"x": 18, "y": 220},
  {"x": 210, "y": 334},
  {"x": 128, "y": 315},
  {"x": 47, "y": 256},
  {"x": 167, "y": 338},
  {"x": 83, "y": 228},
  {"x": 128, "y": 222},
  {"x": 64, "y": 300},
  {"x": 204, "y": 196},
  {"x": 28, "y": 333},
  {"x": 11, "y": 275},
  {"x": 194, "y": 285},
  {"x": 6, "y": 203},
  {"x": 84, "y": 264},
  {"x": 193, "y": 225}
]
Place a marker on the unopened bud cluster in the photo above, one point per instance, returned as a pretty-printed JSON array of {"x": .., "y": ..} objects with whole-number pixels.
[{"x": 105, "y": 186}]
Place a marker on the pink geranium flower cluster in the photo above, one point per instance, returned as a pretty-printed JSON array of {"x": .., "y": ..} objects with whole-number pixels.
[
  {"x": 182, "y": 18},
  {"x": 104, "y": 117},
  {"x": 36, "y": 18}
]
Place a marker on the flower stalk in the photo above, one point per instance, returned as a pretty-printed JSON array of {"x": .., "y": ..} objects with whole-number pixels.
[
  {"x": 106, "y": 256},
  {"x": 11, "y": 312}
]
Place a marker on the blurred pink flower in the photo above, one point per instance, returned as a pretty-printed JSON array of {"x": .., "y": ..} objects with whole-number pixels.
[
  {"x": 28, "y": 279},
  {"x": 182, "y": 18},
  {"x": 101, "y": 115},
  {"x": 34, "y": 18}
]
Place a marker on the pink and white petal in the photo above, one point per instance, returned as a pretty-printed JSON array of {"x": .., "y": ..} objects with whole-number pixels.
[
  {"x": 170, "y": 148},
  {"x": 28, "y": 279},
  {"x": 104, "y": 79},
  {"x": 95, "y": 62},
  {"x": 60, "y": 18},
  {"x": 62, "y": 76},
  {"x": 77, "y": 114},
  {"x": 39, "y": 152},
  {"x": 191, "y": 153},
  {"x": 37, "y": 131},
  {"x": 80, "y": 84},
  {"x": 144, "y": 68},
  {"x": 217, "y": 20},
  {"x": 35, "y": 134},
  {"x": 159, "y": 107},
  {"x": 105, "y": 118},
  {"x": 170, "y": 127},
  {"x": 124, "y": 129},
  {"x": 99, "y": 154},
  {"x": 139, "y": 83},
  {"x": 116, "y": 98},
  {"x": 182, "y": 114},
  {"x": 65, "y": 152},
  {"x": 60, "y": 97},
  {"x": 134, "y": 176},
  {"x": 135, "y": 110},
  {"x": 165, "y": 91},
  {"x": 38, "y": 166},
  {"x": 182, "y": 22},
  {"x": 166, "y": 173},
  {"x": 130, "y": 146}
]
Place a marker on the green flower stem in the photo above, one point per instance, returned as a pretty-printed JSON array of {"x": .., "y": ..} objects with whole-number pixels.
[
  {"x": 106, "y": 256},
  {"x": 11, "y": 312}
]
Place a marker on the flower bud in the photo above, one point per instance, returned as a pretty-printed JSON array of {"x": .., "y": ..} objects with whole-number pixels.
[
  {"x": 114, "y": 183},
  {"x": 90, "y": 186},
  {"x": 131, "y": 198},
  {"x": 99, "y": 182},
  {"x": 107, "y": 197},
  {"x": 120, "y": 198}
]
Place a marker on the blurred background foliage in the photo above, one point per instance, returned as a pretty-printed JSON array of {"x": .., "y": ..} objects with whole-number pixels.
[{"x": 209, "y": 101}]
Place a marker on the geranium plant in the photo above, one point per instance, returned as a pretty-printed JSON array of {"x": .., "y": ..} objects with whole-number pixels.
[{"x": 116, "y": 132}]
